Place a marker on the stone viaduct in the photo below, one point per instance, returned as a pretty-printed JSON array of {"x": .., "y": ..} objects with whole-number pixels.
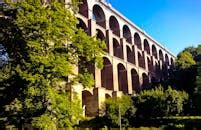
[{"x": 133, "y": 59}]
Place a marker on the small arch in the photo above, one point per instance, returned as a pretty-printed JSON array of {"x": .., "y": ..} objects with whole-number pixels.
[
  {"x": 83, "y": 65},
  {"x": 83, "y": 8},
  {"x": 137, "y": 41},
  {"x": 117, "y": 49},
  {"x": 135, "y": 80},
  {"x": 161, "y": 55},
  {"x": 127, "y": 34},
  {"x": 122, "y": 78},
  {"x": 154, "y": 51},
  {"x": 150, "y": 65},
  {"x": 101, "y": 36},
  {"x": 130, "y": 55},
  {"x": 107, "y": 96},
  {"x": 99, "y": 16},
  {"x": 141, "y": 60},
  {"x": 88, "y": 103},
  {"x": 172, "y": 62},
  {"x": 82, "y": 25},
  {"x": 107, "y": 74},
  {"x": 167, "y": 59},
  {"x": 146, "y": 46},
  {"x": 114, "y": 26},
  {"x": 145, "y": 81}
]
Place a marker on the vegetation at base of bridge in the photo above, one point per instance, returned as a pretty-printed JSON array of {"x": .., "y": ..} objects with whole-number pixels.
[{"x": 43, "y": 44}]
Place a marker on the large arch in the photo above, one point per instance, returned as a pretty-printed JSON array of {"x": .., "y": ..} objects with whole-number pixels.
[
  {"x": 145, "y": 81},
  {"x": 114, "y": 26},
  {"x": 107, "y": 74},
  {"x": 84, "y": 66},
  {"x": 83, "y": 8},
  {"x": 154, "y": 51},
  {"x": 141, "y": 60},
  {"x": 161, "y": 55},
  {"x": 101, "y": 36},
  {"x": 130, "y": 55},
  {"x": 82, "y": 25},
  {"x": 137, "y": 41},
  {"x": 146, "y": 46},
  {"x": 99, "y": 16},
  {"x": 167, "y": 59},
  {"x": 135, "y": 80},
  {"x": 172, "y": 62},
  {"x": 127, "y": 34},
  {"x": 122, "y": 78},
  {"x": 117, "y": 49},
  {"x": 88, "y": 103},
  {"x": 150, "y": 65}
]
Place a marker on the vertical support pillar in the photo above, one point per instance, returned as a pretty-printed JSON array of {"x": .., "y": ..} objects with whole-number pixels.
[
  {"x": 123, "y": 41},
  {"x": 110, "y": 41},
  {"x": 115, "y": 76},
  {"x": 136, "y": 55},
  {"x": 129, "y": 80}
]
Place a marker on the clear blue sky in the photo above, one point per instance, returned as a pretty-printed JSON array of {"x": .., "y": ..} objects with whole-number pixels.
[{"x": 176, "y": 24}]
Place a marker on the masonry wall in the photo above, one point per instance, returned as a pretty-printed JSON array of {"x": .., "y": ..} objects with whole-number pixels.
[{"x": 132, "y": 61}]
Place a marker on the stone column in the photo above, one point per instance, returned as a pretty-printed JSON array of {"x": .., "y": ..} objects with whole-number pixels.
[
  {"x": 115, "y": 76},
  {"x": 110, "y": 41},
  {"x": 129, "y": 80}
]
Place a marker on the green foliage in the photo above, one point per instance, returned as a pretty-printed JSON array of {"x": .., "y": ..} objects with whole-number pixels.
[
  {"x": 116, "y": 106},
  {"x": 159, "y": 102},
  {"x": 185, "y": 60},
  {"x": 44, "y": 45}
]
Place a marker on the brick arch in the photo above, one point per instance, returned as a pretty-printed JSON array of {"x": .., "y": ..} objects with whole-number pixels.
[
  {"x": 100, "y": 35},
  {"x": 114, "y": 25},
  {"x": 161, "y": 55},
  {"x": 141, "y": 60},
  {"x": 107, "y": 74},
  {"x": 83, "y": 8},
  {"x": 154, "y": 51},
  {"x": 135, "y": 80},
  {"x": 127, "y": 34},
  {"x": 130, "y": 55},
  {"x": 81, "y": 24},
  {"x": 146, "y": 46},
  {"x": 122, "y": 78},
  {"x": 88, "y": 103},
  {"x": 117, "y": 49},
  {"x": 167, "y": 59},
  {"x": 150, "y": 64},
  {"x": 108, "y": 96},
  {"x": 145, "y": 81},
  {"x": 99, "y": 16},
  {"x": 137, "y": 41},
  {"x": 172, "y": 61}
]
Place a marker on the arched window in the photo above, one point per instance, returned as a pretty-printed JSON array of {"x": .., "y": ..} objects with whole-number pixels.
[
  {"x": 114, "y": 26},
  {"x": 122, "y": 78},
  {"x": 118, "y": 49},
  {"x": 137, "y": 41},
  {"x": 127, "y": 34},
  {"x": 130, "y": 55},
  {"x": 135, "y": 80},
  {"x": 146, "y": 46},
  {"x": 154, "y": 51},
  {"x": 107, "y": 75},
  {"x": 99, "y": 16},
  {"x": 83, "y": 8}
]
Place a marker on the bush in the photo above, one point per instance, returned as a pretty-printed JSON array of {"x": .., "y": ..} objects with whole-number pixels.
[{"x": 158, "y": 102}]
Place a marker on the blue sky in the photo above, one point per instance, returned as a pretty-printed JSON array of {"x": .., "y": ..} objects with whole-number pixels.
[{"x": 176, "y": 24}]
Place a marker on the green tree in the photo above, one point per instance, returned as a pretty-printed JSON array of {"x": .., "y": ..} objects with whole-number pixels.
[
  {"x": 158, "y": 102},
  {"x": 119, "y": 105},
  {"x": 185, "y": 60},
  {"x": 44, "y": 45}
]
